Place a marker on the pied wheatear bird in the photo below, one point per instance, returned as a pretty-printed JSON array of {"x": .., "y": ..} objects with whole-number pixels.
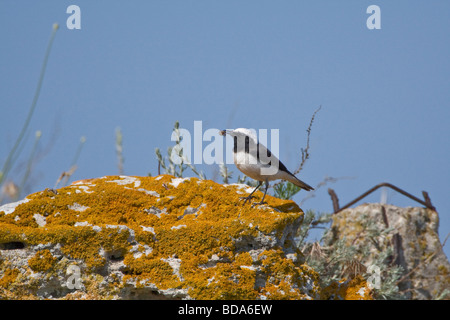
[{"x": 257, "y": 162}]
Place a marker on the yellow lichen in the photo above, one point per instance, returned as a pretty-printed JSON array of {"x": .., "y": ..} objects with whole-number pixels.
[
  {"x": 195, "y": 222},
  {"x": 9, "y": 276},
  {"x": 353, "y": 289},
  {"x": 43, "y": 260},
  {"x": 286, "y": 276}
]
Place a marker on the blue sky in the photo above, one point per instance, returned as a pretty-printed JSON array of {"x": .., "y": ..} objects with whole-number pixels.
[{"x": 142, "y": 65}]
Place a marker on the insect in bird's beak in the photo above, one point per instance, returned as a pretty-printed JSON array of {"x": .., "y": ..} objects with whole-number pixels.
[{"x": 222, "y": 132}]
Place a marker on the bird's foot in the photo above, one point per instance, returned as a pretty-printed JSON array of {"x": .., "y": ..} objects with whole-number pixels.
[
  {"x": 249, "y": 199},
  {"x": 258, "y": 203}
]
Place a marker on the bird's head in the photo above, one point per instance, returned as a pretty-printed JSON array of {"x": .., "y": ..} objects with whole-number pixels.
[{"x": 240, "y": 133}]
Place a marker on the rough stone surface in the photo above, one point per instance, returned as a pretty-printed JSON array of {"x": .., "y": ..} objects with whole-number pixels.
[
  {"x": 412, "y": 234},
  {"x": 348, "y": 289},
  {"x": 161, "y": 237}
]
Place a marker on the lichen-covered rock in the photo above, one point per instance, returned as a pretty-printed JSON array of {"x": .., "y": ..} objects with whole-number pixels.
[
  {"x": 410, "y": 234},
  {"x": 352, "y": 289},
  {"x": 162, "y": 237}
]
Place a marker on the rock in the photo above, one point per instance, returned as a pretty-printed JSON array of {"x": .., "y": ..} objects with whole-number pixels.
[
  {"x": 410, "y": 234},
  {"x": 356, "y": 288},
  {"x": 158, "y": 237}
]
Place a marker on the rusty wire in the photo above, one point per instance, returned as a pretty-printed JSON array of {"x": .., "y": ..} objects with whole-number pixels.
[{"x": 426, "y": 202}]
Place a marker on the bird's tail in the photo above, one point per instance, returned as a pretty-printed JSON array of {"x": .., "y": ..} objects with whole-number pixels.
[{"x": 299, "y": 183}]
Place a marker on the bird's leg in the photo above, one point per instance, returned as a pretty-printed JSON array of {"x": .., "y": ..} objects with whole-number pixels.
[
  {"x": 250, "y": 196},
  {"x": 262, "y": 200}
]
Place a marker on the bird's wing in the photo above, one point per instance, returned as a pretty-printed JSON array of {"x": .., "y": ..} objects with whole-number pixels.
[{"x": 266, "y": 157}]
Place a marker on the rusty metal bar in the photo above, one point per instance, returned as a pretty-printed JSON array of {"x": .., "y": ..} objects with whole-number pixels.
[
  {"x": 426, "y": 203},
  {"x": 334, "y": 199},
  {"x": 427, "y": 198}
]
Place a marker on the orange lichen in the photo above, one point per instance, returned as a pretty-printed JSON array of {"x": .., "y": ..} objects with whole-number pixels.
[
  {"x": 9, "y": 276},
  {"x": 182, "y": 233},
  {"x": 353, "y": 289},
  {"x": 286, "y": 277},
  {"x": 43, "y": 260}
]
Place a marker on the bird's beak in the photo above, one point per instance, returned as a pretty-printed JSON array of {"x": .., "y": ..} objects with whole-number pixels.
[{"x": 223, "y": 132}]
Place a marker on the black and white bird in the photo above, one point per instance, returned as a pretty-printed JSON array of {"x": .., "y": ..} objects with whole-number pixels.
[{"x": 257, "y": 162}]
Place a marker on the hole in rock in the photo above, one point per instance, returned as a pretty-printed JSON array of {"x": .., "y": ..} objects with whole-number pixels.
[
  {"x": 13, "y": 245},
  {"x": 116, "y": 257}
]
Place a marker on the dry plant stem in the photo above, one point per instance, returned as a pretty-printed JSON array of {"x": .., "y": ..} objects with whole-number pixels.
[
  {"x": 12, "y": 154},
  {"x": 119, "y": 150},
  {"x": 30, "y": 162},
  {"x": 305, "y": 152},
  {"x": 67, "y": 174}
]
